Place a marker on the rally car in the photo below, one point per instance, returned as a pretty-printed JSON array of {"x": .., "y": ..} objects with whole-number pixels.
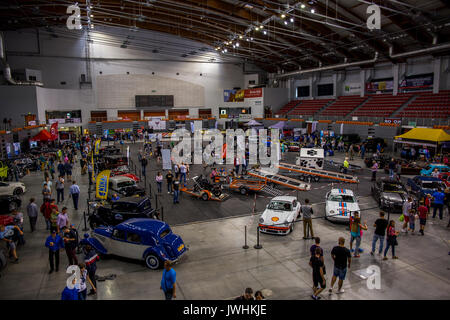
[
  {"x": 142, "y": 239},
  {"x": 341, "y": 204},
  {"x": 279, "y": 215}
]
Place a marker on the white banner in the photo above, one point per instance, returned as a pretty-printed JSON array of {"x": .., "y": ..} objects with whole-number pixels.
[
  {"x": 167, "y": 163},
  {"x": 157, "y": 124},
  {"x": 352, "y": 87}
]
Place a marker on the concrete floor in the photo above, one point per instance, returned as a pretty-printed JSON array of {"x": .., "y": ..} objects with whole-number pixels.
[{"x": 216, "y": 266}]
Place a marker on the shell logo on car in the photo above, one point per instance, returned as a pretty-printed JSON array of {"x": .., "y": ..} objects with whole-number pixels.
[{"x": 275, "y": 219}]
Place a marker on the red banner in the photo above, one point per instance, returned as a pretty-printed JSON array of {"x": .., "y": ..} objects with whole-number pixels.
[
  {"x": 253, "y": 93},
  {"x": 54, "y": 131}
]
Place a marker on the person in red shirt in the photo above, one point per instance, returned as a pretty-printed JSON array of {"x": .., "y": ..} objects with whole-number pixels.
[
  {"x": 423, "y": 214},
  {"x": 428, "y": 201},
  {"x": 46, "y": 210}
]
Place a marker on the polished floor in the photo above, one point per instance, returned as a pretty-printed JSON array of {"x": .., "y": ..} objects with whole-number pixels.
[{"x": 217, "y": 267}]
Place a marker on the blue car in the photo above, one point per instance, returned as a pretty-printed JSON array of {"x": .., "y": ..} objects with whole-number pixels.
[
  {"x": 430, "y": 168},
  {"x": 142, "y": 239},
  {"x": 421, "y": 186}
]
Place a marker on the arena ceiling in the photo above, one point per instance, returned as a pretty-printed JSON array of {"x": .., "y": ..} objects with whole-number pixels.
[{"x": 274, "y": 34}]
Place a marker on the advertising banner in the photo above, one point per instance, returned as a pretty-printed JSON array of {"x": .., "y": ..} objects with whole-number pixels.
[
  {"x": 253, "y": 93},
  {"x": 352, "y": 88},
  {"x": 54, "y": 131},
  {"x": 380, "y": 86},
  {"x": 157, "y": 123},
  {"x": 102, "y": 184},
  {"x": 97, "y": 146},
  {"x": 417, "y": 82},
  {"x": 393, "y": 120}
]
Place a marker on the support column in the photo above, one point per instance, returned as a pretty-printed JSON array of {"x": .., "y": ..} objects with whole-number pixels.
[
  {"x": 437, "y": 75},
  {"x": 142, "y": 114},
  {"x": 395, "y": 74},
  {"x": 362, "y": 82}
]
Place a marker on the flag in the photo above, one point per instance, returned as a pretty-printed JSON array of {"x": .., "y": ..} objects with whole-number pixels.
[
  {"x": 102, "y": 184},
  {"x": 97, "y": 146},
  {"x": 54, "y": 131},
  {"x": 93, "y": 166}
]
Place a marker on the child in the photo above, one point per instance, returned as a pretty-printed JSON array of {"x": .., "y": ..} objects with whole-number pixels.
[{"x": 423, "y": 214}]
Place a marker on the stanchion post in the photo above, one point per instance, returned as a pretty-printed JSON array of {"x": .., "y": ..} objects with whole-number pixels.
[
  {"x": 245, "y": 237},
  {"x": 257, "y": 245},
  {"x": 156, "y": 201},
  {"x": 84, "y": 218},
  {"x": 162, "y": 213}
]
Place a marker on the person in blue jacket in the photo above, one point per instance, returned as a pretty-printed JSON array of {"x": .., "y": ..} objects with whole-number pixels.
[
  {"x": 70, "y": 294},
  {"x": 54, "y": 243}
]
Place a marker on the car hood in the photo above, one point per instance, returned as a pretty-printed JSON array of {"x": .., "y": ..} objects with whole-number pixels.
[
  {"x": 395, "y": 196},
  {"x": 268, "y": 214},
  {"x": 342, "y": 207}
]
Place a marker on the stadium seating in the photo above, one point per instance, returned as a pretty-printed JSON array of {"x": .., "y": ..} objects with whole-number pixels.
[
  {"x": 429, "y": 105},
  {"x": 343, "y": 106},
  {"x": 309, "y": 107},
  {"x": 288, "y": 107},
  {"x": 383, "y": 105}
]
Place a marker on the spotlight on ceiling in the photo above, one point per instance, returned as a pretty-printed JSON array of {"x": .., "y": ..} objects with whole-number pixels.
[
  {"x": 240, "y": 37},
  {"x": 265, "y": 32},
  {"x": 313, "y": 11},
  {"x": 285, "y": 23},
  {"x": 237, "y": 44},
  {"x": 303, "y": 6},
  {"x": 283, "y": 16},
  {"x": 292, "y": 19},
  {"x": 261, "y": 27},
  {"x": 257, "y": 29}
]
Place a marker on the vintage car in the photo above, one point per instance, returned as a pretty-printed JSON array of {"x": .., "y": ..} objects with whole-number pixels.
[
  {"x": 12, "y": 188},
  {"x": 124, "y": 187},
  {"x": 8, "y": 203},
  {"x": 148, "y": 240},
  {"x": 125, "y": 173},
  {"x": 341, "y": 204},
  {"x": 111, "y": 162},
  {"x": 293, "y": 146},
  {"x": 110, "y": 150},
  {"x": 120, "y": 210},
  {"x": 421, "y": 186},
  {"x": 407, "y": 168},
  {"x": 279, "y": 215},
  {"x": 442, "y": 168},
  {"x": 390, "y": 194}
]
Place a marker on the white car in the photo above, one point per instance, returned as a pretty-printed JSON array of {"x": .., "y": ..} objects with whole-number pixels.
[
  {"x": 279, "y": 215},
  {"x": 12, "y": 188},
  {"x": 340, "y": 205}
]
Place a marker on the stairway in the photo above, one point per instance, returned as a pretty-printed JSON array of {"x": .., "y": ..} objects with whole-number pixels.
[
  {"x": 407, "y": 103},
  {"x": 349, "y": 116}
]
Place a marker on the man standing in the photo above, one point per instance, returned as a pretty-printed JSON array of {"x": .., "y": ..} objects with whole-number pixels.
[
  {"x": 144, "y": 163},
  {"x": 61, "y": 169},
  {"x": 407, "y": 208},
  {"x": 307, "y": 211},
  {"x": 168, "y": 281},
  {"x": 54, "y": 243},
  {"x": 90, "y": 260},
  {"x": 341, "y": 256},
  {"x": 62, "y": 221},
  {"x": 169, "y": 179},
  {"x": 319, "y": 282},
  {"x": 438, "y": 202},
  {"x": 363, "y": 150},
  {"x": 74, "y": 192},
  {"x": 392, "y": 166},
  {"x": 176, "y": 191},
  {"x": 346, "y": 165},
  {"x": 183, "y": 171},
  {"x": 32, "y": 211},
  {"x": 70, "y": 244},
  {"x": 374, "y": 169},
  {"x": 46, "y": 193},
  {"x": 423, "y": 215},
  {"x": 60, "y": 189},
  {"x": 380, "y": 231}
]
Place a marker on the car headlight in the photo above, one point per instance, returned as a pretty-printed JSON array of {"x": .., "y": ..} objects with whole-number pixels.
[
  {"x": 261, "y": 220},
  {"x": 332, "y": 211}
]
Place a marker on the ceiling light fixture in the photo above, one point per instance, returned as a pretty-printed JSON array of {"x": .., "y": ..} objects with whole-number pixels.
[
  {"x": 261, "y": 27},
  {"x": 285, "y": 23},
  {"x": 240, "y": 37},
  {"x": 237, "y": 44},
  {"x": 265, "y": 32},
  {"x": 313, "y": 11},
  {"x": 283, "y": 16},
  {"x": 257, "y": 29},
  {"x": 303, "y": 6},
  {"x": 292, "y": 19}
]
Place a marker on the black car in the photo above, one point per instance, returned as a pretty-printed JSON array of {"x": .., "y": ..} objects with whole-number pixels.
[
  {"x": 121, "y": 210},
  {"x": 371, "y": 144},
  {"x": 390, "y": 194},
  {"x": 8, "y": 203},
  {"x": 111, "y": 162},
  {"x": 110, "y": 150},
  {"x": 351, "y": 138}
]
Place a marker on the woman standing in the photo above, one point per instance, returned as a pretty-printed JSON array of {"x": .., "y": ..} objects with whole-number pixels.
[
  {"x": 159, "y": 179},
  {"x": 391, "y": 240}
]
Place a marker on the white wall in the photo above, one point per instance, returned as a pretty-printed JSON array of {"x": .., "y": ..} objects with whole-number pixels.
[
  {"x": 16, "y": 101},
  {"x": 276, "y": 98}
]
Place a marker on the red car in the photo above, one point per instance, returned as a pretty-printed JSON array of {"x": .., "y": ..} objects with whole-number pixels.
[
  {"x": 126, "y": 174},
  {"x": 6, "y": 220},
  {"x": 445, "y": 177}
]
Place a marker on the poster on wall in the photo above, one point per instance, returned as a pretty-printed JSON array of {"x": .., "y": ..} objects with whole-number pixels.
[
  {"x": 157, "y": 124},
  {"x": 8, "y": 149},
  {"x": 375, "y": 86},
  {"x": 52, "y": 121},
  {"x": 352, "y": 88},
  {"x": 417, "y": 82}
]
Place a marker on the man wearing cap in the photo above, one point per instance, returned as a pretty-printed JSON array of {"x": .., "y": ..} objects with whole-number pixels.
[
  {"x": 54, "y": 243},
  {"x": 248, "y": 295}
]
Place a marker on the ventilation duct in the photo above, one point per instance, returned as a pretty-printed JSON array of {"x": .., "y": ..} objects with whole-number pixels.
[{"x": 7, "y": 69}]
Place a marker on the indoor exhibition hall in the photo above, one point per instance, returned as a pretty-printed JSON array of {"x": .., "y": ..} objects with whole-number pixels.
[{"x": 220, "y": 151}]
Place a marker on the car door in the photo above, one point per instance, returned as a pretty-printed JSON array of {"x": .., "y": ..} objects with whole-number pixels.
[
  {"x": 327, "y": 207},
  {"x": 5, "y": 188},
  {"x": 135, "y": 247},
  {"x": 118, "y": 244}
]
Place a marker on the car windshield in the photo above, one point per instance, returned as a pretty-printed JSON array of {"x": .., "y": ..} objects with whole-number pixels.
[
  {"x": 146, "y": 205},
  {"x": 125, "y": 184},
  {"x": 432, "y": 185},
  {"x": 392, "y": 187},
  {"x": 280, "y": 205},
  {"x": 164, "y": 233},
  {"x": 342, "y": 198}
]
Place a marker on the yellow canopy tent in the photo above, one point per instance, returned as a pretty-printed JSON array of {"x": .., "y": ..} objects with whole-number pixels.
[
  {"x": 425, "y": 134},
  {"x": 424, "y": 137}
]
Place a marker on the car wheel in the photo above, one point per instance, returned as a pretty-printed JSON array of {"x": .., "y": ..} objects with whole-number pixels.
[
  {"x": 152, "y": 261},
  {"x": 291, "y": 228},
  {"x": 13, "y": 205},
  {"x": 205, "y": 196},
  {"x": 18, "y": 191},
  {"x": 243, "y": 191}
]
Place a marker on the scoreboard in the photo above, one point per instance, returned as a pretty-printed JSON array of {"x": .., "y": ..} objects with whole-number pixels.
[{"x": 154, "y": 101}]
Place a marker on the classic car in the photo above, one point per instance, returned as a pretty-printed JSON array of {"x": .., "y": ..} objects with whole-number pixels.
[
  {"x": 421, "y": 186},
  {"x": 407, "y": 168},
  {"x": 445, "y": 177},
  {"x": 8, "y": 203},
  {"x": 148, "y": 240},
  {"x": 111, "y": 162},
  {"x": 120, "y": 210},
  {"x": 442, "y": 168},
  {"x": 293, "y": 146},
  {"x": 12, "y": 188},
  {"x": 279, "y": 215},
  {"x": 124, "y": 187},
  {"x": 117, "y": 172},
  {"x": 110, "y": 150},
  {"x": 341, "y": 204},
  {"x": 390, "y": 194}
]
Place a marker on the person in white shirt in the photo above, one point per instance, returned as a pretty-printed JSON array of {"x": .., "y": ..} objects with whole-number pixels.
[
  {"x": 435, "y": 173},
  {"x": 406, "y": 210}
]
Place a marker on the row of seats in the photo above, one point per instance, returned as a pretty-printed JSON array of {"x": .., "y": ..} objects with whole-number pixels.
[
  {"x": 309, "y": 107},
  {"x": 382, "y": 105},
  {"x": 288, "y": 107},
  {"x": 343, "y": 106},
  {"x": 429, "y": 105}
]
